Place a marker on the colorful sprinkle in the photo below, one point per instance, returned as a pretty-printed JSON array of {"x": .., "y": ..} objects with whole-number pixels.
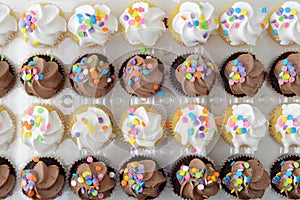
[
  {"x": 237, "y": 74},
  {"x": 134, "y": 175},
  {"x": 135, "y": 16},
  {"x": 31, "y": 73},
  {"x": 288, "y": 123},
  {"x": 288, "y": 73}
]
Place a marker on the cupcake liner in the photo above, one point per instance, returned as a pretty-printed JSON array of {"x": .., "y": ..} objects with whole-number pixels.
[
  {"x": 175, "y": 83},
  {"x": 175, "y": 118},
  {"x": 225, "y": 82},
  {"x": 115, "y": 128},
  {"x": 14, "y": 33},
  {"x": 12, "y": 86},
  {"x": 50, "y": 108},
  {"x": 272, "y": 78},
  {"x": 13, "y": 119},
  {"x": 137, "y": 158},
  {"x": 148, "y": 108},
  {"x": 185, "y": 160},
  {"x": 48, "y": 160},
  {"x": 12, "y": 170},
  {"x": 48, "y": 58},
  {"x": 112, "y": 74},
  {"x": 144, "y": 56},
  {"x": 82, "y": 160}
]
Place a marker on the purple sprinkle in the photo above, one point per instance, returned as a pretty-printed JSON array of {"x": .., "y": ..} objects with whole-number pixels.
[
  {"x": 192, "y": 15},
  {"x": 28, "y": 17},
  {"x": 77, "y": 134},
  {"x": 243, "y": 74},
  {"x": 235, "y": 17},
  {"x": 223, "y": 21},
  {"x": 285, "y": 127},
  {"x": 281, "y": 9},
  {"x": 201, "y": 135},
  {"x": 205, "y": 35},
  {"x": 201, "y": 181},
  {"x": 291, "y": 17},
  {"x": 293, "y": 73},
  {"x": 196, "y": 123},
  {"x": 141, "y": 167},
  {"x": 95, "y": 180},
  {"x": 201, "y": 118},
  {"x": 183, "y": 67},
  {"x": 241, "y": 17},
  {"x": 92, "y": 30},
  {"x": 229, "y": 13},
  {"x": 87, "y": 14},
  {"x": 201, "y": 128},
  {"x": 194, "y": 64},
  {"x": 126, "y": 18},
  {"x": 136, "y": 79},
  {"x": 192, "y": 70},
  {"x": 85, "y": 34},
  {"x": 195, "y": 41},
  {"x": 285, "y": 17},
  {"x": 278, "y": 13},
  {"x": 81, "y": 76},
  {"x": 32, "y": 122},
  {"x": 100, "y": 120},
  {"x": 231, "y": 10},
  {"x": 101, "y": 24},
  {"x": 190, "y": 25},
  {"x": 28, "y": 23},
  {"x": 29, "y": 30},
  {"x": 234, "y": 128},
  {"x": 88, "y": 177},
  {"x": 132, "y": 61},
  {"x": 208, "y": 72}
]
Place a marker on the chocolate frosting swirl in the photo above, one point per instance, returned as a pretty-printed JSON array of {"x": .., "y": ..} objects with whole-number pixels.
[
  {"x": 292, "y": 84},
  {"x": 42, "y": 182},
  {"x": 93, "y": 180},
  {"x": 247, "y": 179},
  {"x": 7, "y": 180},
  {"x": 245, "y": 81},
  {"x": 287, "y": 180},
  {"x": 7, "y": 79},
  {"x": 196, "y": 75},
  {"x": 147, "y": 178},
  {"x": 92, "y": 76},
  {"x": 198, "y": 180},
  {"x": 142, "y": 76},
  {"x": 42, "y": 77}
]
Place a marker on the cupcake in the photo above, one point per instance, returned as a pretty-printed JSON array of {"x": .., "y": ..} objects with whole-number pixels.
[
  {"x": 194, "y": 177},
  {"x": 142, "y": 23},
  {"x": 42, "y": 76},
  {"x": 92, "y": 76},
  {"x": 43, "y": 178},
  {"x": 193, "y": 74},
  {"x": 285, "y": 176},
  {"x": 243, "y": 125},
  {"x": 91, "y": 178},
  {"x": 150, "y": 179},
  {"x": 92, "y": 24},
  {"x": 7, "y": 128},
  {"x": 92, "y": 127},
  {"x": 42, "y": 25},
  {"x": 142, "y": 75},
  {"x": 8, "y": 24},
  {"x": 283, "y": 74},
  {"x": 8, "y": 178},
  {"x": 242, "y": 74},
  {"x": 243, "y": 24},
  {"x": 7, "y": 75},
  {"x": 142, "y": 127},
  {"x": 42, "y": 128},
  {"x": 194, "y": 126},
  {"x": 285, "y": 123},
  {"x": 284, "y": 20},
  {"x": 191, "y": 23},
  {"x": 244, "y": 177}
]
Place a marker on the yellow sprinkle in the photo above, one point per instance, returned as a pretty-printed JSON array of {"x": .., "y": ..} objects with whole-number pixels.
[
  {"x": 84, "y": 174},
  {"x": 214, "y": 179},
  {"x": 239, "y": 181},
  {"x": 132, "y": 141},
  {"x": 134, "y": 164},
  {"x": 38, "y": 119},
  {"x": 36, "y": 43},
  {"x": 289, "y": 180},
  {"x": 202, "y": 17},
  {"x": 28, "y": 134},
  {"x": 282, "y": 190},
  {"x": 91, "y": 128},
  {"x": 126, "y": 178},
  {"x": 232, "y": 191},
  {"x": 194, "y": 170},
  {"x": 24, "y": 30},
  {"x": 126, "y": 170},
  {"x": 283, "y": 118},
  {"x": 80, "y": 180},
  {"x": 85, "y": 121},
  {"x": 97, "y": 12},
  {"x": 278, "y": 174},
  {"x": 136, "y": 24},
  {"x": 28, "y": 76},
  {"x": 188, "y": 63},
  {"x": 244, "y": 12},
  {"x": 266, "y": 20},
  {"x": 25, "y": 39},
  {"x": 293, "y": 12},
  {"x": 216, "y": 20},
  {"x": 182, "y": 173},
  {"x": 200, "y": 26},
  {"x": 136, "y": 122}
]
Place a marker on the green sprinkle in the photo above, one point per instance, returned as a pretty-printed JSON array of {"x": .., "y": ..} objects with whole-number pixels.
[
  {"x": 188, "y": 76},
  {"x": 290, "y": 188},
  {"x": 39, "y": 138},
  {"x": 51, "y": 58},
  {"x": 101, "y": 63},
  {"x": 81, "y": 34},
  {"x": 40, "y": 110},
  {"x": 29, "y": 84},
  {"x": 215, "y": 133},
  {"x": 286, "y": 184},
  {"x": 88, "y": 26},
  {"x": 205, "y": 25},
  {"x": 231, "y": 19},
  {"x": 209, "y": 64},
  {"x": 236, "y": 184},
  {"x": 37, "y": 125},
  {"x": 87, "y": 21},
  {"x": 90, "y": 60},
  {"x": 296, "y": 164},
  {"x": 85, "y": 80},
  {"x": 35, "y": 58},
  {"x": 2, "y": 57},
  {"x": 143, "y": 50},
  {"x": 95, "y": 193},
  {"x": 200, "y": 6},
  {"x": 192, "y": 184},
  {"x": 198, "y": 175},
  {"x": 246, "y": 165},
  {"x": 281, "y": 18},
  {"x": 240, "y": 188},
  {"x": 74, "y": 66}
]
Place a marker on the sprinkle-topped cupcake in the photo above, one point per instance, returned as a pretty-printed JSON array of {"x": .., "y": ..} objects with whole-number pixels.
[
  {"x": 8, "y": 24},
  {"x": 243, "y": 24},
  {"x": 192, "y": 23},
  {"x": 8, "y": 178},
  {"x": 142, "y": 23},
  {"x": 42, "y": 25},
  {"x": 92, "y": 24},
  {"x": 284, "y": 23}
]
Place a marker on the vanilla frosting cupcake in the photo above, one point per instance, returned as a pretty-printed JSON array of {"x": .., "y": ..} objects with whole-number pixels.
[
  {"x": 243, "y": 24},
  {"x": 92, "y": 24},
  {"x": 8, "y": 24},
  {"x": 42, "y": 25},
  {"x": 7, "y": 128},
  {"x": 142, "y": 127},
  {"x": 194, "y": 126},
  {"x": 284, "y": 23},
  {"x": 191, "y": 23},
  {"x": 244, "y": 125},
  {"x": 91, "y": 127},
  {"x": 42, "y": 128},
  {"x": 142, "y": 23}
]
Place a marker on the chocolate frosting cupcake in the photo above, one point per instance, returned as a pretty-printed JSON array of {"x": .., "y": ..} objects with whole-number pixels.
[
  {"x": 92, "y": 76},
  {"x": 284, "y": 74},
  {"x": 42, "y": 76},
  {"x": 194, "y": 75},
  {"x": 242, "y": 74},
  {"x": 7, "y": 178},
  {"x": 141, "y": 75},
  {"x": 244, "y": 177},
  {"x": 7, "y": 76}
]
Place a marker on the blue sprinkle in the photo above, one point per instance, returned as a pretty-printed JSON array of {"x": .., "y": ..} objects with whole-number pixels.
[
  {"x": 264, "y": 10},
  {"x": 196, "y": 57},
  {"x": 23, "y": 24},
  {"x": 277, "y": 178},
  {"x": 190, "y": 132},
  {"x": 232, "y": 163},
  {"x": 89, "y": 182},
  {"x": 236, "y": 62},
  {"x": 275, "y": 32},
  {"x": 297, "y": 179},
  {"x": 239, "y": 173},
  {"x": 289, "y": 173},
  {"x": 93, "y": 19},
  {"x": 240, "y": 117},
  {"x": 78, "y": 70},
  {"x": 143, "y": 183},
  {"x": 130, "y": 83},
  {"x": 192, "y": 116},
  {"x": 31, "y": 63},
  {"x": 287, "y": 10},
  {"x": 41, "y": 76},
  {"x": 196, "y": 23},
  {"x": 293, "y": 130},
  {"x": 238, "y": 10},
  {"x": 290, "y": 117},
  {"x": 145, "y": 72},
  {"x": 227, "y": 178},
  {"x": 105, "y": 71},
  {"x": 248, "y": 179},
  {"x": 225, "y": 32},
  {"x": 76, "y": 79},
  {"x": 178, "y": 176},
  {"x": 160, "y": 93},
  {"x": 244, "y": 130}
]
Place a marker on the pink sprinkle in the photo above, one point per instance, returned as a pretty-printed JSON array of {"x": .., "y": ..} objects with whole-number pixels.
[
  {"x": 246, "y": 124},
  {"x": 48, "y": 125},
  {"x": 192, "y": 80},
  {"x": 36, "y": 77},
  {"x": 100, "y": 176},
  {"x": 231, "y": 82},
  {"x": 33, "y": 20},
  {"x": 191, "y": 107},
  {"x": 142, "y": 21},
  {"x": 181, "y": 167},
  {"x": 284, "y": 69},
  {"x": 296, "y": 123},
  {"x": 43, "y": 128},
  {"x": 242, "y": 79},
  {"x": 149, "y": 66},
  {"x": 32, "y": 12},
  {"x": 29, "y": 112},
  {"x": 141, "y": 9},
  {"x": 100, "y": 195},
  {"x": 193, "y": 150},
  {"x": 29, "y": 176},
  {"x": 89, "y": 159},
  {"x": 227, "y": 25},
  {"x": 231, "y": 123},
  {"x": 235, "y": 69},
  {"x": 241, "y": 166},
  {"x": 280, "y": 123},
  {"x": 83, "y": 27},
  {"x": 280, "y": 81},
  {"x": 131, "y": 110},
  {"x": 131, "y": 22},
  {"x": 184, "y": 119},
  {"x": 112, "y": 77},
  {"x": 291, "y": 79},
  {"x": 187, "y": 177},
  {"x": 236, "y": 25},
  {"x": 286, "y": 25},
  {"x": 209, "y": 21},
  {"x": 106, "y": 17},
  {"x": 140, "y": 176},
  {"x": 276, "y": 25},
  {"x": 24, "y": 183},
  {"x": 199, "y": 69},
  {"x": 34, "y": 71},
  {"x": 291, "y": 166}
]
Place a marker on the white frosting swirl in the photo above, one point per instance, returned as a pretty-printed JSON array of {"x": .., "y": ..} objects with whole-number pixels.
[
  {"x": 8, "y": 24},
  {"x": 247, "y": 126},
  {"x": 92, "y": 129},
  {"x": 194, "y": 22},
  {"x": 244, "y": 24},
  {"x": 196, "y": 127},
  {"x": 285, "y": 23},
  {"x": 288, "y": 125},
  {"x": 143, "y": 24},
  {"x": 7, "y": 129},
  {"x": 142, "y": 128},
  {"x": 42, "y": 25},
  {"x": 42, "y": 130},
  {"x": 92, "y": 24}
]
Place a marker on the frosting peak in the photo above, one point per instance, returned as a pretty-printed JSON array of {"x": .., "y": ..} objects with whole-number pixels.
[
  {"x": 7, "y": 129},
  {"x": 8, "y": 24}
]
